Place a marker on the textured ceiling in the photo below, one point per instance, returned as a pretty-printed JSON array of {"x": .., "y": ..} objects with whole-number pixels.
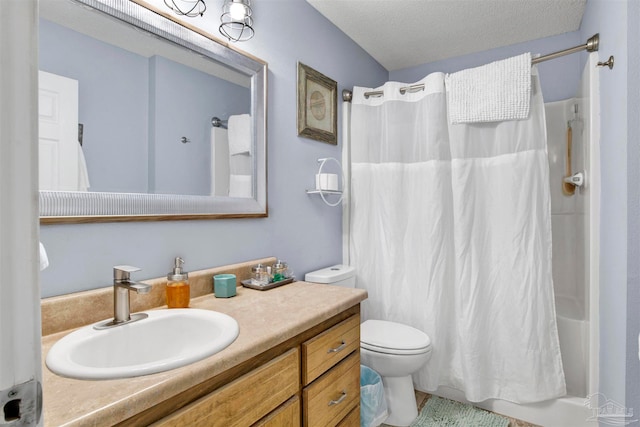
[{"x": 404, "y": 33}]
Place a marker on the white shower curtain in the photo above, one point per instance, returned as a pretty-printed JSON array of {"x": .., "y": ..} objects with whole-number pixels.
[{"x": 451, "y": 234}]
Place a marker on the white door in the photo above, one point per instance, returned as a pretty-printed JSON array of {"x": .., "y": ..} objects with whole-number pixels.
[
  {"x": 58, "y": 137},
  {"x": 20, "y": 352}
]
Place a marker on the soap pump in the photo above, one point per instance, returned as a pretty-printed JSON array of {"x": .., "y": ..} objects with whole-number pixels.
[{"x": 178, "y": 294}]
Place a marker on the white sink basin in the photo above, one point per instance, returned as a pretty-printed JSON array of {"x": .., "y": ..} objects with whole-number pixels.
[{"x": 167, "y": 339}]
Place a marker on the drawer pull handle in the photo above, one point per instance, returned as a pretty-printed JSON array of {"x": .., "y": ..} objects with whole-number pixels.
[
  {"x": 343, "y": 397},
  {"x": 338, "y": 348}
]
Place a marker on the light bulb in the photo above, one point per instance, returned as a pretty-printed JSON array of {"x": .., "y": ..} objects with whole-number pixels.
[{"x": 237, "y": 11}]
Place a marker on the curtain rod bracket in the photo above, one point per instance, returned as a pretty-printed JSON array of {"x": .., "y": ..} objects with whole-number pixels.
[
  {"x": 593, "y": 43},
  {"x": 608, "y": 63}
]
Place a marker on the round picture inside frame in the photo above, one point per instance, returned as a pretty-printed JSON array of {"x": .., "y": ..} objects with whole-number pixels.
[
  {"x": 318, "y": 110},
  {"x": 318, "y": 105}
]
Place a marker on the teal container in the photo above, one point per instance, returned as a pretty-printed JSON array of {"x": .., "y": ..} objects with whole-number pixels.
[{"x": 224, "y": 285}]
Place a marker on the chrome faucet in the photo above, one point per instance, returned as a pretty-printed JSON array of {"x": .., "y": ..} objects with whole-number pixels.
[{"x": 122, "y": 284}]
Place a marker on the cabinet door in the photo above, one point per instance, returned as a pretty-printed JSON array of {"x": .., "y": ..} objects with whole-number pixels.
[
  {"x": 287, "y": 415},
  {"x": 332, "y": 396},
  {"x": 351, "y": 420},
  {"x": 245, "y": 400},
  {"x": 328, "y": 348}
]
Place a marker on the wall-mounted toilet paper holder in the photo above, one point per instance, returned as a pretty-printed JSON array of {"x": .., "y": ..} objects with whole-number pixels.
[{"x": 328, "y": 183}]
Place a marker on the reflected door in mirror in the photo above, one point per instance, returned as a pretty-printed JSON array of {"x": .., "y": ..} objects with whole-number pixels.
[{"x": 60, "y": 152}]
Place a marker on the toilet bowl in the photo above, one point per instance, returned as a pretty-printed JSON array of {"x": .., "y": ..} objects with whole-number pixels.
[{"x": 393, "y": 350}]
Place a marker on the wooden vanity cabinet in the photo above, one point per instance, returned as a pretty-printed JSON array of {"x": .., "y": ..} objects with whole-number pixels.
[
  {"x": 352, "y": 419},
  {"x": 287, "y": 415},
  {"x": 331, "y": 376},
  {"x": 311, "y": 380},
  {"x": 245, "y": 400}
]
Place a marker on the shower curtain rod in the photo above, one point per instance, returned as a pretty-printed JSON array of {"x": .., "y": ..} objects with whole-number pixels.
[{"x": 590, "y": 46}]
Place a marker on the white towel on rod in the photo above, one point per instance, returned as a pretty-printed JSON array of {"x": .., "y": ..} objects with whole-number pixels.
[
  {"x": 240, "y": 186},
  {"x": 239, "y": 127},
  {"x": 494, "y": 92}
]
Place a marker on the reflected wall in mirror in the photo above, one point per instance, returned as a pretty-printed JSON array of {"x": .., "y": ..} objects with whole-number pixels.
[{"x": 127, "y": 98}]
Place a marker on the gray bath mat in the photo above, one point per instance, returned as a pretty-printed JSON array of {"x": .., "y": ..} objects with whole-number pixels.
[{"x": 444, "y": 412}]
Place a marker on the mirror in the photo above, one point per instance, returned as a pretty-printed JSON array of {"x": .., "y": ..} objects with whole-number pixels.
[{"x": 128, "y": 102}]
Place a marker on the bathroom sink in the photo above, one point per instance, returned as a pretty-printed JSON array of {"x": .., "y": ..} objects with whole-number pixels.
[{"x": 165, "y": 340}]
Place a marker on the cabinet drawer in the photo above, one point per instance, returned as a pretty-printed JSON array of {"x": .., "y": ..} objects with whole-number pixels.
[
  {"x": 351, "y": 420},
  {"x": 331, "y": 397},
  {"x": 245, "y": 400},
  {"x": 328, "y": 348},
  {"x": 287, "y": 415}
]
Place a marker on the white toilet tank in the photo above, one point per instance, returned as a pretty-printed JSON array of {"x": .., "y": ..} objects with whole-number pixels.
[{"x": 340, "y": 275}]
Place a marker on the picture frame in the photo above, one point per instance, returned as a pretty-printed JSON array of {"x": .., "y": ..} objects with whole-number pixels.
[{"x": 317, "y": 105}]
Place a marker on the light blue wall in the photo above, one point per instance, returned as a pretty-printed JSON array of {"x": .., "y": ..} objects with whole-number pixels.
[
  {"x": 557, "y": 77},
  {"x": 184, "y": 102},
  {"x": 609, "y": 18},
  {"x": 300, "y": 228},
  {"x": 113, "y": 102},
  {"x": 633, "y": 207}
]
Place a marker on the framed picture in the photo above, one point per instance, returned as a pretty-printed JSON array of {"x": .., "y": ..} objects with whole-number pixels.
[{"x": 317, "y": 105}]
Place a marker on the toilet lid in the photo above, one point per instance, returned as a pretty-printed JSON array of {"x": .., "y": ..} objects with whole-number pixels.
[{"x": 395, "y": 338}]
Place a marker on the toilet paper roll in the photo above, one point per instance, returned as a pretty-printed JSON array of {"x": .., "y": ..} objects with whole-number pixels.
[{"x": 327, "y": 181}]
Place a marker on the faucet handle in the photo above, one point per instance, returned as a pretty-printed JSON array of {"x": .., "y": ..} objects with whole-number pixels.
[{"x": 121, "y": 272}]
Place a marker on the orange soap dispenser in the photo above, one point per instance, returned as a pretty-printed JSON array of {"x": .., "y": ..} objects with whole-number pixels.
[{"x": 178, "y": 293}]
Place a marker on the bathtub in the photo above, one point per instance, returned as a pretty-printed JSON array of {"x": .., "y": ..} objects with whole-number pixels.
[{"x": 573, "y": 331}]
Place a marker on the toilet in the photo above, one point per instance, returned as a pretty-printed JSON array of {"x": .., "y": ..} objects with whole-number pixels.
[{"x": 393, "y": 350}]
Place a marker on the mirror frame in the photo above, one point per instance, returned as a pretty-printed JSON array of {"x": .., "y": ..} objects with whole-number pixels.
[{"x": 86, "y": 207}]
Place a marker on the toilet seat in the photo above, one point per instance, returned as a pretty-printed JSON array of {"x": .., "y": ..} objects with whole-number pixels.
[{"x": 393, "y": 338}]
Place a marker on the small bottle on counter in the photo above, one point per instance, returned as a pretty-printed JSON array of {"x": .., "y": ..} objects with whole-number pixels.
[
  {"x": 259, "y": 275},
  {"x": 279, "y": 269},
  {"x": 178, "y": 291}
]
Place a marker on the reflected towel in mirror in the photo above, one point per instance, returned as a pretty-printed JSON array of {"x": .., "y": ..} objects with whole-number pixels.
[
  {"x": 240, "y": 186},
  {"x": 239, "y": 134},
  {"x": 83, "y": 173},
  {"x": 44, "y": 259},
  {"x": 219, "y": 162}
]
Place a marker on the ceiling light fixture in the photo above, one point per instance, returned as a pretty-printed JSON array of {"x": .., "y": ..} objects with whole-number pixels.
[
  {"x": 190, "y": 8},
  {"x": 236, "y": 22}
]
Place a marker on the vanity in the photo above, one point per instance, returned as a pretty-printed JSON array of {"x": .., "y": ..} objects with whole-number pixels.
[{"x": 295, "y": 362}]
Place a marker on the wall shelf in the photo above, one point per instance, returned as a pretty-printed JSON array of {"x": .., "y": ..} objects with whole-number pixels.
[{"x": 324, "y": 191}]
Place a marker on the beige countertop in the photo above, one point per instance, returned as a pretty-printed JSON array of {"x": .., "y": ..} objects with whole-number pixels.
[{"x": 266, "y": 319}]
